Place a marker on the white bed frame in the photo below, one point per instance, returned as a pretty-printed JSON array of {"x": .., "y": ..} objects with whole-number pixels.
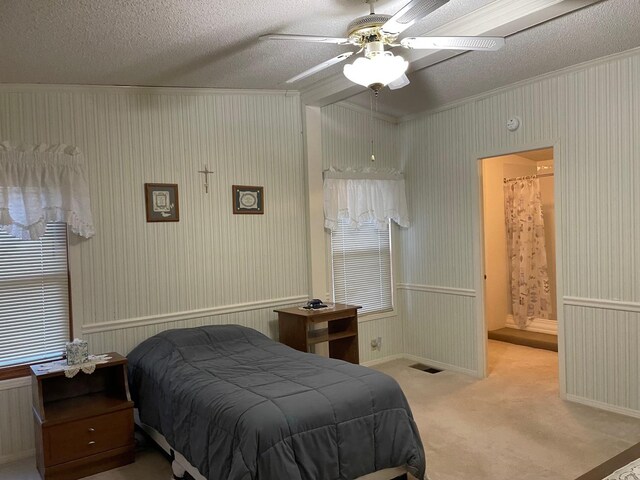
[{"x": 180, "y": 465}]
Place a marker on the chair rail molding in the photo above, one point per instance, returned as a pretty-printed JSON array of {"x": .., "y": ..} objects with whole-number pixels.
[
  {"x": 619, "y": 305},
  {"x": 92, "y": 328},
  {"x": 465, "y": 292}
]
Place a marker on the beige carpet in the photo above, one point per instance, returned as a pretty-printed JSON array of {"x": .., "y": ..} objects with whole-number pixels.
[{"x": 511, "y": 425}]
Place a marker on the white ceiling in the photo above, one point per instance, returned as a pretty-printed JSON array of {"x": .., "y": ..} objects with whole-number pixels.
[
  {"x": 595, "y": 31},
  {"x": 213, "y": 43}
]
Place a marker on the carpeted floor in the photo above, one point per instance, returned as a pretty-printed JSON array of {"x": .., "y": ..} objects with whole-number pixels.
[{"x": 507, "y": 426}]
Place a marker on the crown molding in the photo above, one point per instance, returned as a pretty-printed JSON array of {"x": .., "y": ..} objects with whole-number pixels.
[
  {"x": 137, "y": 90},
  {"x": 529, "y": 81}
]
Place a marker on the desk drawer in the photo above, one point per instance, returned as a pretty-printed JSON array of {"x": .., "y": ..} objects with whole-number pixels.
[{"x": 80, "y": 438}]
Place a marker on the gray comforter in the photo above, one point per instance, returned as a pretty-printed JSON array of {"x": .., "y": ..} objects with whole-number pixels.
[{"x": 240, "y": 406}]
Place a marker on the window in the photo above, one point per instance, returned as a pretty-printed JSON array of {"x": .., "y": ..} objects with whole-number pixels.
[
  {"x": 34, "y": 299},
  {"x": 361, "y": 264}
]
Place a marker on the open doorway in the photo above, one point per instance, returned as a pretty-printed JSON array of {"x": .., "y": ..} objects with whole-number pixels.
[{"x": 519, "y": 249}]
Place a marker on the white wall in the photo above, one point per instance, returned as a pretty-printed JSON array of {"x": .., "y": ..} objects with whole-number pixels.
[
  {"x": 346, "y": 142},
  {"x": 496, "y": 303},
  {"x": 135, "y": 278},
  {"x": 591, "y": 115},
  {"x": 497, "y": 285},
  {"x": 437, "y": 287}
]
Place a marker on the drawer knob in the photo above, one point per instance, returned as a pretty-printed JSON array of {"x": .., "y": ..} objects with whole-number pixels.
[
  {"x": 91, "y": 443},
  {"x": 91, "y": 429}
]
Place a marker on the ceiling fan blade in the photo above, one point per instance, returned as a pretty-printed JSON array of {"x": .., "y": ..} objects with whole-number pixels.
[
  {"x": 400, "y": 82},
  {"x": 487, "y": 44},
  {"x": 322, "y": 66},
  {"x": 304, "y": 38},
  {"x": 409, "y": 14}
]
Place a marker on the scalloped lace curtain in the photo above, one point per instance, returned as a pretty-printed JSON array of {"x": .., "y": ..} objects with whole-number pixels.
[
  {"x": 364, "y": 196},
  {"x": 40, "y": 184}
]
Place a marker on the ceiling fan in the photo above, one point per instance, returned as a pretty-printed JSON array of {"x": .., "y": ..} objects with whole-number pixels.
[{"x": 379, "y": 67}]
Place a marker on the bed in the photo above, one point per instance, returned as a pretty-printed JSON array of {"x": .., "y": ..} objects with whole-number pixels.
[{"x": 231, "y": 403}]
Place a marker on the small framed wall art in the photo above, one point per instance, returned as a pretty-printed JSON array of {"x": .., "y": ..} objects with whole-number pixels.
[
  {"x": 248, "y": 200},
  {"x": 161, "y": 200}
]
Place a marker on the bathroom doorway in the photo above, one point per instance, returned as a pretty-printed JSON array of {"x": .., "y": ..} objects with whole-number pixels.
[{"x": 518, "y": 211}]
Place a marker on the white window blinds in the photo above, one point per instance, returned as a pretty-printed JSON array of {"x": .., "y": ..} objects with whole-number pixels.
[
  {"x": 34, "y": 296},
  {"x": 361, "y": 264}
]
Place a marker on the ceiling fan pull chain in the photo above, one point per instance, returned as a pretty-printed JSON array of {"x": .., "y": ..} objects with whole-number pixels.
[{"x": 373, "y": 157}]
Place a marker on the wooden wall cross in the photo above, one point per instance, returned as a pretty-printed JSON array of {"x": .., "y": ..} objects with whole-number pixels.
[{"x": 206, "y": 173}]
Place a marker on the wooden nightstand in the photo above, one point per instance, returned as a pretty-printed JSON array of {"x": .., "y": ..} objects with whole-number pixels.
[
  {"x": 84, "y": 424},
  {"x": 341, "y": 332}
]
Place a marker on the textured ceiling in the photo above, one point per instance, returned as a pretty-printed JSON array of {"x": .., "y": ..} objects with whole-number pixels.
[
  {"x": 601, "y": 29},
  {"x": 194, "y": 43},
  {"x": 213, "y": 43}
]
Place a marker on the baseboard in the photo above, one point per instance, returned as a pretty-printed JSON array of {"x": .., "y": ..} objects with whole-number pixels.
[
  {"x": 539, "y": 325},
  {"x": 426, "y": 361},
  {"x": 378, "y": 361},
  {"x": 604, "y": 406},
  {"x": 14, "y": 457},
  {"x": 441, "y": 365}
]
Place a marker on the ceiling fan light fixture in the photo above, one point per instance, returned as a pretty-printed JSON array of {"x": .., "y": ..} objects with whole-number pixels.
[{"x": 377, "y": 71}]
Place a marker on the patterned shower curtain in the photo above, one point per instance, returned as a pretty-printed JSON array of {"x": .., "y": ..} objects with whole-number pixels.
[{"x": 530, "y": 295}]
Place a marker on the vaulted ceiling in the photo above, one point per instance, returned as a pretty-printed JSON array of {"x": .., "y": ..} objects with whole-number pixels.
[{"x": 205, "y": 43}]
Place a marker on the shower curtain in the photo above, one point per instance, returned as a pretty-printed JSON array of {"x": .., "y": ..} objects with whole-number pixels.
[{"x": 530, "y": 295}]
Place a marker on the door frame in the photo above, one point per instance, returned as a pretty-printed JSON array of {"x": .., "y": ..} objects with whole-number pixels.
[{"x": 478, "y": 228}]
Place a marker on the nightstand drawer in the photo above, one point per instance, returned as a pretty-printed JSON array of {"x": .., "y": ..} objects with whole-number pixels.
[{"x": 86, "y": 437}]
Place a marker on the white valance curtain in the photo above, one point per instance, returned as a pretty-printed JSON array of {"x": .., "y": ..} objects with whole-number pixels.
[
  {"x": 40, "y": 184},
  {"x": 367, "y": 195}
]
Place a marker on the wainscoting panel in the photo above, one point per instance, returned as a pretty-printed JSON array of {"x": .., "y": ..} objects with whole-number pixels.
[
  {"x": 389, "y": 329},
  {"x": 604, "y": 346},
  {"x": 16, "y": 423},
  {"x": 261, "y": 318},
  {"x": 440, "y": 327}
]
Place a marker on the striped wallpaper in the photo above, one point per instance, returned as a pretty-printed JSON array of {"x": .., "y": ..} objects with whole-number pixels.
[
  {"x": 346, "y": 142},
  {"x": 590, "y": 114},
  {"x": 211, "y": 266},
  {"x": 190, "y": 273}
]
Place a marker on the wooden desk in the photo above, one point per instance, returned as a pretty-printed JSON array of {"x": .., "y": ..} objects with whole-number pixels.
[
  {"x": 84, "y": 424},
  {"x": 295, "y": 325},
  {"x": 613, "y": 464}
]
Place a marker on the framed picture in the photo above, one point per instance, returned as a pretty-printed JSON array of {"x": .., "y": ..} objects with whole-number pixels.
[
  {"x": 161, "y": 200},
  {"x": 248, "y": 200}
]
